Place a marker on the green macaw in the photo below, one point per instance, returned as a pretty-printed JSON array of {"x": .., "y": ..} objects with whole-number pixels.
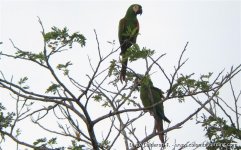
[
  {"x": 128, "y": 31},
  {"x": 150, "y": 96}
]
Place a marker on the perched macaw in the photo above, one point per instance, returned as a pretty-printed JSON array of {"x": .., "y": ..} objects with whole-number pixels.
[
  {"x": 150, "y": 96},
  {"x": 128, "y": 31}
]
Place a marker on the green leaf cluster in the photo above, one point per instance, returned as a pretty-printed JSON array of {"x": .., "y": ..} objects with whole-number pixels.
[
  {"x": 60, "y": 38},
  {"x": 114, "y": 71},
  {"x": 22, "y": 82},
  {"x": 105, "y": 144},
  {"x": 134, "y": 53},
  {"x": 64, "y": 67},
  {"x": 186, "y": 85},
  {"x": 53, "y": 88},
  {"x": 220, "y": 133},
  {"x": 97, "y": 97},
  {"x": 130, "y": 32},
  {"x": 43, "y": 143},
  {"x": 5, "y": 120},
  {"x": 76, "y": 146},
  {"x": 112, "y": 68},
  {"x": 39, "y": 57}
]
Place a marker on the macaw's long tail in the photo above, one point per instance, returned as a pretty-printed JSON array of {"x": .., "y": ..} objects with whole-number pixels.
[
  {"x": 159, "y": 117},
  {"x": 159, "y": 128},
  {"x": 162, "y": 116},
  {"x": 123, "y": 70}
]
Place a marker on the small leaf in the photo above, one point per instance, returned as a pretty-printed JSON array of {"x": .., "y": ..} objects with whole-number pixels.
[
  {"x": 97, "y": 97},
  {"x": 53, "y": 88},
  {"x": 22, "y": 80},
  {"x": 112, "y": 67},
  {"x": 38, "y": 141},
  {"x": 61, "y": 66},
  {"x": 52, "y": 141}
]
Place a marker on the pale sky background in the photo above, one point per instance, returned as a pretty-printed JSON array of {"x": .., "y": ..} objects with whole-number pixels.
[{"x": 211, "y": 27}]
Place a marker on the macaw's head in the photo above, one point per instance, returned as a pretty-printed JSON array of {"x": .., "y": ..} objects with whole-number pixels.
[
  {"x": 142, "y": 80},
  {"x": 134, "y": 9}
]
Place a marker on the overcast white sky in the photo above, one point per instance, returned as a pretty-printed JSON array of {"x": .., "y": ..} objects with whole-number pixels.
[{"x": 211, "y": 27}]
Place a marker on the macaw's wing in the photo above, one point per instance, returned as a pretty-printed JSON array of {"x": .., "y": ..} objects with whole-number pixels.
[
  {"x": 121, "y": 30},
  {"x": 159, "y": 116},
  {"x": 127, "y": 33},
  {"x": 158, "y": 96}
]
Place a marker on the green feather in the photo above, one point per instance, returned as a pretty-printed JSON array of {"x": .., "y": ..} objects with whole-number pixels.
[{"x": 151, "y": 95}]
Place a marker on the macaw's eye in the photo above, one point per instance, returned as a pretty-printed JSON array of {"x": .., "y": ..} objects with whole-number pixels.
[{"x": 136, "y": 8}]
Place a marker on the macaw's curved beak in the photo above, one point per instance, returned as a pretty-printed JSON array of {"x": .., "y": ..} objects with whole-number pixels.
[{"x": 139, "y": 11}]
